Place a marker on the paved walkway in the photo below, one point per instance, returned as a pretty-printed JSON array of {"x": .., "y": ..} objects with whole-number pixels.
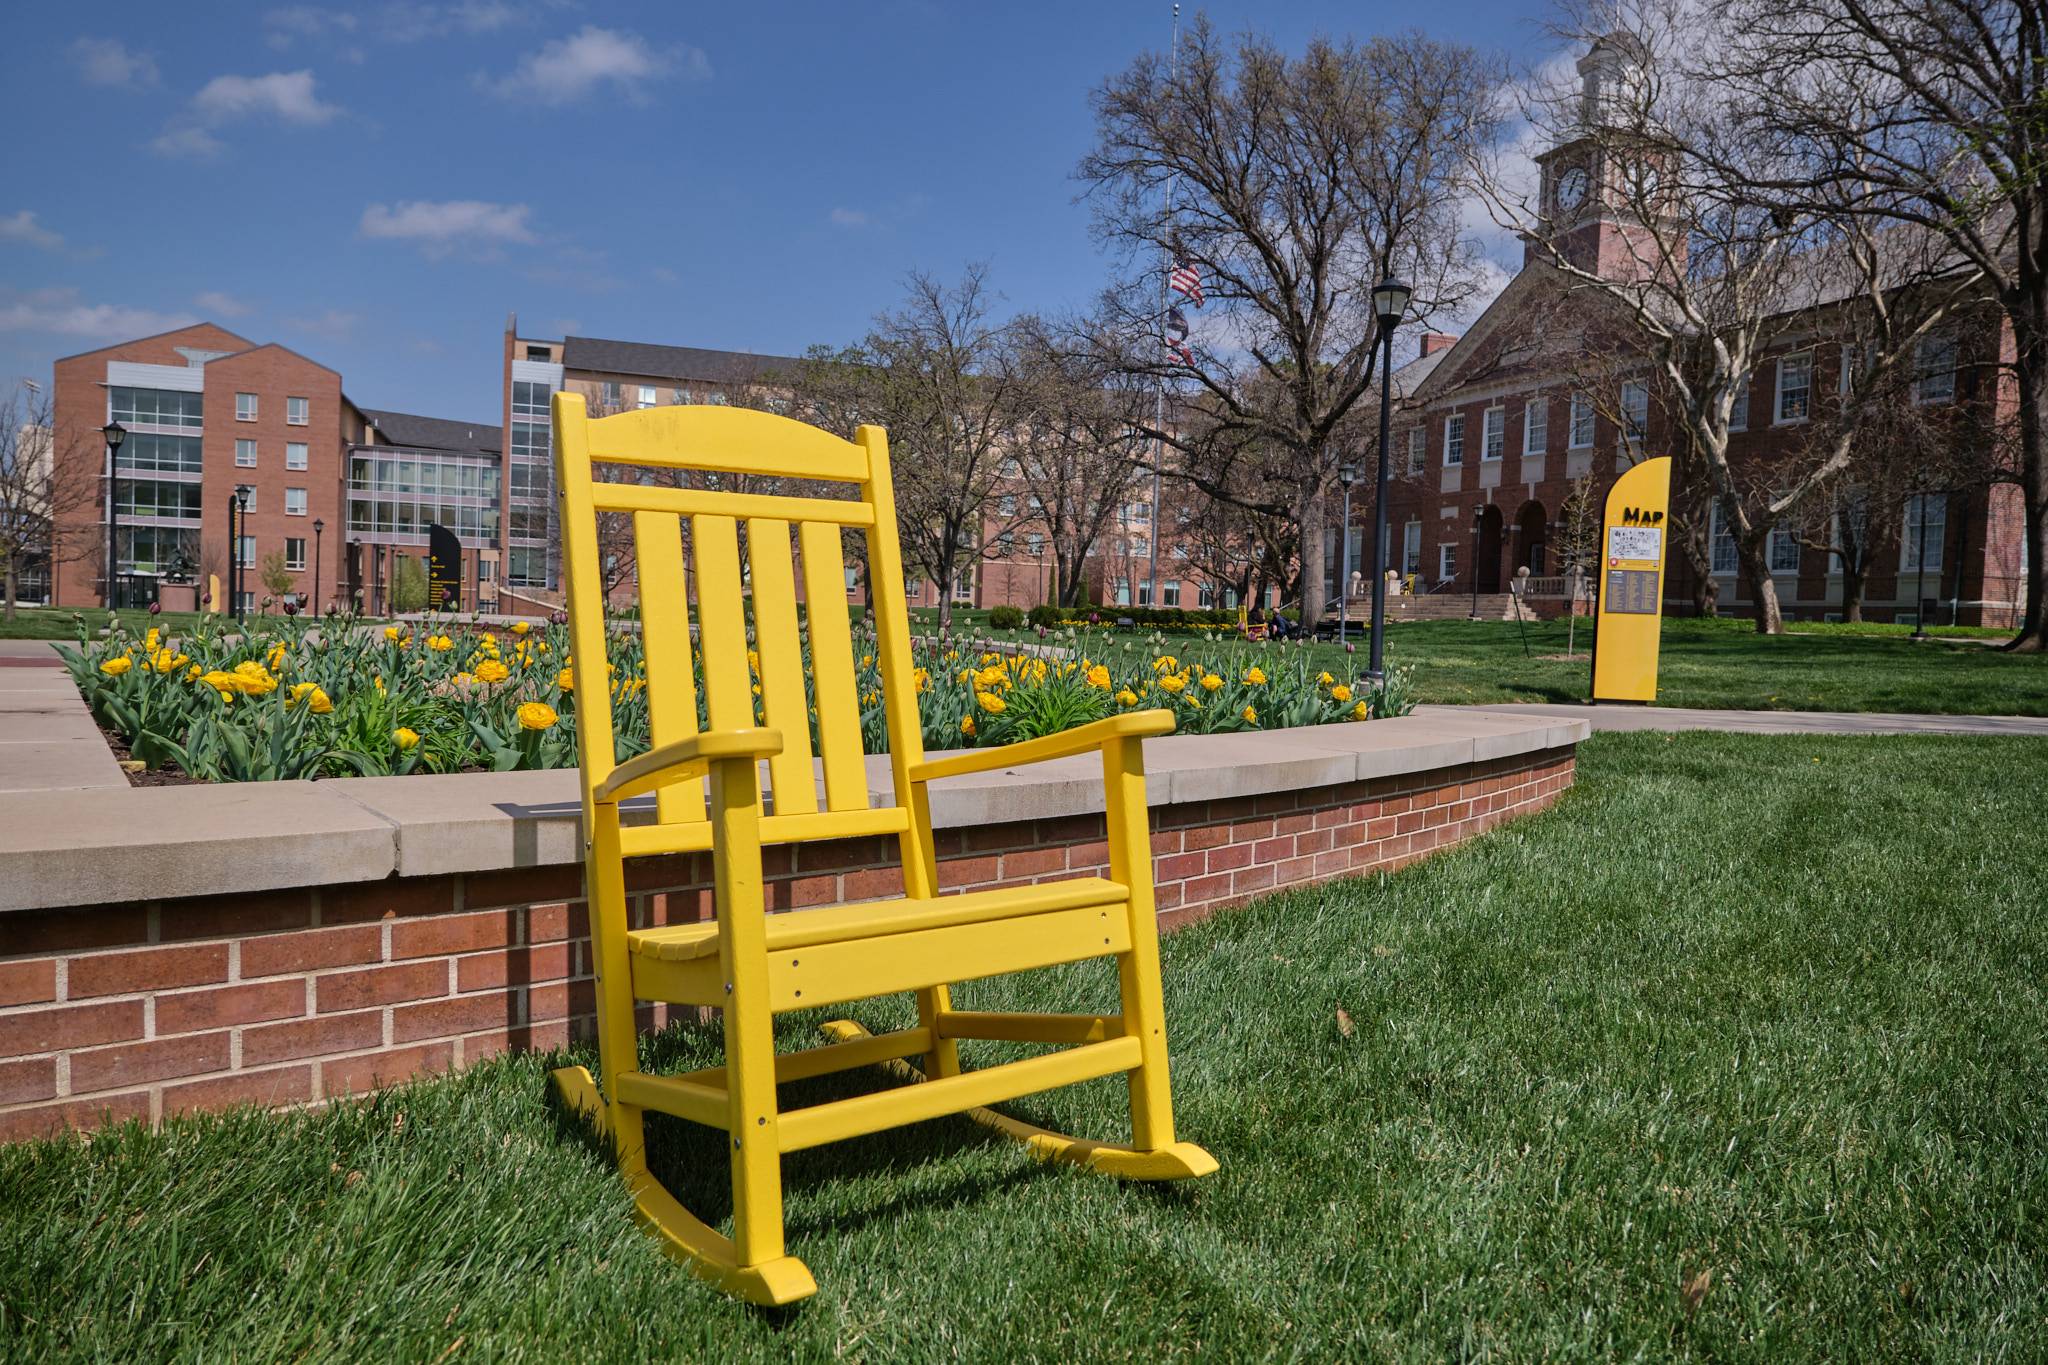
[{"x": 1625, "y": 717}]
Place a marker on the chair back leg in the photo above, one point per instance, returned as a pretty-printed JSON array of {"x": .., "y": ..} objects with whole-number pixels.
[
  {"x": 618, "y": 1037},
  {"x": 1144, "y": 1009}
]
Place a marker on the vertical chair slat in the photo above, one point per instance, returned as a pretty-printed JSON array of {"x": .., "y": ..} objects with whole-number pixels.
[
  {"x": 782, "y": 666},
  {"x": 832, "y": 675},
  {"x": 721, "y": 620},
  {"x": 665, "y": 635},
  {"x": 899, "y": 687},
  {"x": 585, "y": 592}
]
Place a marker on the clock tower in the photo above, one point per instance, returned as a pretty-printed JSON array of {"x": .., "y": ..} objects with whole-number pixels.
[{"x": 1603, "y": 187}]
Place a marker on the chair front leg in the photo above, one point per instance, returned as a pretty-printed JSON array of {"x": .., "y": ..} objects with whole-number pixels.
[
  {"x": 618, "y": 1039},
  {"x": 1144, "y": 1008}
]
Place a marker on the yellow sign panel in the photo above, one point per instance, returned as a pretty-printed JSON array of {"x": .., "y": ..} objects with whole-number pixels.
[{"x": 1634, "y": 534}]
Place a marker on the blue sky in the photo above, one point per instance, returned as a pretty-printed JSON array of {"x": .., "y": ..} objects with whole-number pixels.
[{"x": 378, "y": 185}]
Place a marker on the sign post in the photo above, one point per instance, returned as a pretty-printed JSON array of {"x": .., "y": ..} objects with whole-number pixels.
[
  {"x": 1634, "y": 534},
  {"x": 444, "y": 568}
]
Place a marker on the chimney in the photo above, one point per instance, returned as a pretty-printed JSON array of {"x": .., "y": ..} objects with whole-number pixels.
[{"x": 1432, "y": 342}]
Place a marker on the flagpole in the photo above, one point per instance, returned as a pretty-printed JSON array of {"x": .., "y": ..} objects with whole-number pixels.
[{"x": 1158, "y": 517}]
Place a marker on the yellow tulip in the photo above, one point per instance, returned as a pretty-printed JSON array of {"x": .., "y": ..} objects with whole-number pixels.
[
  {"x": 1210, "y": 682},
  {"x": 966, "y": 725},
  {"x": 992, "y": 703},
  {"x": 1340, "y": 693},
  {"x": 1256, "y": 676},
  {"x": 1098, "y": 676},
  {"x": 1173, "y": 682},
  {"x": 491, "y": 671},
  {"x": 566, "y": 680},
  {"x": 1251, "y": 716},
  {"x": 404, "y": 738},
  {"x": 1360, "y": 711},
  {"x": 391, "y": 633},
  {"x": 536, "y": 715},
  {"x": 117, "y": 665},
  {"x": 521, "y": 627}
]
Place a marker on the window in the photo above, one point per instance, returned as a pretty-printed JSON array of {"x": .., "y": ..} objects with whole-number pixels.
[
  {"x": 1454, "y": 439},
  {"x": 1006, "y": 505},
  {"x": 1635, "y": 411},
  {"x": 297, "y": 411},
  {"x": 1169, "y": 593},
  {"x": 157, "y": 498},
  {"x": 1934, "y": 366},
  {"x": 611, "y": 394},
  {"x": 1494, "y": 433},
  {"x": 1141, "y": 513},
  {"x": 529, "y": 399},
  {"x": 1205, "y": 596},
  {"x": 295, "y": 502},
  {"x": 540, "y": 353},
  {"x": 1145, "y": 593},
  {"x": 963, "y": 585},
  {"x": 680, "y": 395},
  {"x": 245, "y": 454},
  {"x": 160, "y": 454},
  {"x": 1446, "y": 562},
  {"x": 157, "y": 407},
  {"x": 532, "y": 441},
  {"x": 1411, "y": 547},
  {"x": 1721, "y": 542},
  {"x": 1536, "y": 426},
  {"x": 245, "y": 407},
  {"x": 294, "y": 454},
  {"x": 1141, "y": 547},
  {"x": 1795, "y": 387},
  {"x": 1738, "y": 410},
  {"x": 295, "y": 552},
  {"x": 647, "y": 398},
  {"x": 1034, "y": 545},
  {"x": 1582, "y": 422},
  {"x": 526, "y": 568},
  {"x": 1123, "y": 592},
  {"x": 245, "y": 551},
  {"x": 1784, "y": 550},
  {"x": 1848, "y": 379},
  {"x": 155, "y": 549},
  {"x": 1920, "y": 539},
  {"x": 249, "y": 503},
  {"x": 1418, "y": 450}
]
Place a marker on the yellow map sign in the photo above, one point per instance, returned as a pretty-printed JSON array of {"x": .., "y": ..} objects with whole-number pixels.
[{"x": 1634, "y": 535}]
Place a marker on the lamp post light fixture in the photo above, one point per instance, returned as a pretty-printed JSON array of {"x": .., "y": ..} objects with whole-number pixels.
[
  {"x": 318, "y": 527},
  {"x": 114, "y": 433},
  {"x": 1389, "y": 302},
  {"x": 1347, "y": 474}
]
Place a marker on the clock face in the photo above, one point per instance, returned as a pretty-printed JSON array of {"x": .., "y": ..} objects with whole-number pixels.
[{"x": 1571, "y": 188}]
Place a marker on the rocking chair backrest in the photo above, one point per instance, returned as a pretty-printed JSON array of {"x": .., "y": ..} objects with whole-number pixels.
[{"x": 605, "y": 470}]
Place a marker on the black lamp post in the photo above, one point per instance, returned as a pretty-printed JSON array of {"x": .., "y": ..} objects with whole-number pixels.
[
  {"x": 1347, "y": 474},
  {"x": 1389, "y": 301},
  {"x": 114, "y": 433},
  {"x": 1478, "y": 516},
  {"x": 318, "y": 527},
  {"x": 238, "y": 572},
  {"x": 1920, "y": 584}
]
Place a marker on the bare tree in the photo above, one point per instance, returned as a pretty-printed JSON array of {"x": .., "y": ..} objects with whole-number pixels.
[
  {"x": 1579, "y": 520},
  {"x": 1293, "y": 185},
  {"x": 38, "y": 489},
  {"x": 1932, "y": 113},
  {"x": 942, "y": 374},
  {"x": 1649, "y": 204}
]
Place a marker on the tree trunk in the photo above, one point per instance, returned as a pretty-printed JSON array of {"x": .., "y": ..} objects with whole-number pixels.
[
  {"x": 1854, "y": 572},
  {"x": 1751, "y": 550},
  {"x": 2030, "y": 340},
  {"x": 1312, "y": 561},
  {"x": 11, "y": 581}
]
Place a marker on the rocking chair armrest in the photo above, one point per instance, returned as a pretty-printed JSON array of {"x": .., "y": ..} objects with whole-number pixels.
[
  {"x": 672, "y": 762},
  {"x": 1079, "y": 740}
]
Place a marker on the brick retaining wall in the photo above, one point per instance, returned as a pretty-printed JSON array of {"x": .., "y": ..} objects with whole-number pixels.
[{"x": 144, "y": 1009}]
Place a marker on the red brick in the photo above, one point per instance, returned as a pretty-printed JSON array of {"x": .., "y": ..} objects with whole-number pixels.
[
  {"x": 275, "y": 954},
  {"x": 1229, "y": 856},
  {"x": 1034, "y": 862},
  {"x": 359, "y": 1075},
  {"x": 1295, "y": 824},
  {"x": 560, "y": 1001},
  {"x": 257, "y": 912},
  {"x": 268, "y": 1089},
  {"x": 132, "y": 1063},
  {"x": 442, "y": 935},
  {"x": 1165, "y": 841},
  {"x": 871, "y": 884},
  {"x": 1179, "y": 866},
  {"x": 446, "y": 1018},
  {"x": 69, "y": 1026},
  {"x": 47, "y": 1120},
  {"x": 522, "y": 886},
  {"x": 553, "y": 923},
  {"x": 1293, "y": 871},
  {"x": 188, "y": 1011},
  {"x": 65, "y": 931},
  {"x": 312, "y": 1037},
  {"x": 28, "y": 983},
  {"x": 1250, "y": 831},
  {"x": 796, "y": 893},
  {"x": 1250, "y": 879},
  {"x": 380, "y": 985},
  {"x": 1381, "y": 828},
  {"x": 1316, "y": 840},
  {"x": 1276, "y": 803},
  {"x": 150, "y": 969},
  {"x": 995, "y": 838},
  {"x": 1094, "y": 853},
  {"x": 1331, "y": 863},
  {"x": 651, "y": 874},
  {"x": 1166, "y": 896},
  {"x": 1206, "y": 836},
  {"x": 513, "y": 966},
  {"x": 843, "y": 855},
  {"x": 392, "y": 898},
  {"x": 541, "y": 1037},
  {"x": 25, "y": 1081},
  {"x": 968, "y": 872},
  {"x": 1069, "y": 829},
  {"x": 1272, "y": 850},
  {"x": 1198, "y": 889}
]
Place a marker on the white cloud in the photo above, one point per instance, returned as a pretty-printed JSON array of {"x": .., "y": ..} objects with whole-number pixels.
[
  {"x": 24, "y": 228},
  {"x": 282, "y": 96},
  {"x": 283, "y": 26},
  {"x": 332, "y": 325},
  {"x": 440, "y": 227},
  {"x": 62, "y": 312},
  {"x": 225, "y": 305},
  {"x": 568, "y": 69},
  {"x": 105, "y": 61},
  {"x": 848, "y": 218}
]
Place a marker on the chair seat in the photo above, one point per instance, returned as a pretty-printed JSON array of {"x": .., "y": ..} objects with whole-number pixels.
[{"x": 871, "y": 919}]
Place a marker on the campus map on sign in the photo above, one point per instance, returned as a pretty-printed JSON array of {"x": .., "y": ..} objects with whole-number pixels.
[
  {"x": 1635, "y": 542},
  {"x": 1633, "y": 591}
]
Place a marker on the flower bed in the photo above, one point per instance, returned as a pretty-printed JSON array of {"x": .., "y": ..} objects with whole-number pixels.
[{"x": 295, "y": 698}]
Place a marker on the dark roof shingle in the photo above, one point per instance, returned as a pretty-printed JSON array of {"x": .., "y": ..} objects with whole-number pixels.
[
  {"x": 595, "y": 355},
  {"x": 436, "y": 433}
]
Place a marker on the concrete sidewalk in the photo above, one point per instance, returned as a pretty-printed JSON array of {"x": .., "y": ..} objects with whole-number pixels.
[{"x": 1630, "y": 718}]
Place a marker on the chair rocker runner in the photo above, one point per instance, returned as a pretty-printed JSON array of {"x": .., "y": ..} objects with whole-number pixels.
[{"x": 752, "y": 964}]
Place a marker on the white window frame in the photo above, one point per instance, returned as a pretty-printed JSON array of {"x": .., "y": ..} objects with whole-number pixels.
[
  {"x": 1635, "y": 411},
  {"x": 1411, "y": 548},
  {"x": 1798, "y": 360},
  {"x": 1937, "y": 533},
  {"x": 296, "y": 454},
  {"x": 1447, "y": 561},
  {"x": 245, "y": 445},
  {"x": 289, "y": 509},
  {"x": 249, "y": 503},
  {"x": 1581, "y": 414},
  {"x": 1536, "y": 433},
  {"x": 1738, "y": 411},
  {"x": 1718, "y": 538},
  {"x": 295, "y": 565},
  {"x": 301, "y": 406},
  {"x": 1418, "y": 450},
  {"x": 246, "y": 407},
  {"x": 245, "y": 550},
  {"x": 1205, "y": 595},
  {"x": 1783, "y": 544},
  {"x": 1943, "y": 381},
  {"x": 1493, "y": 434},
  {"x": 649, "y": 395},
  {"x": 1454, "y": 440}
]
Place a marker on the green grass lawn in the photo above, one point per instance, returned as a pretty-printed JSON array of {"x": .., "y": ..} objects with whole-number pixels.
[
  {"x": 1770, "y": 1008},
  {"x": 60, "y": 623}
]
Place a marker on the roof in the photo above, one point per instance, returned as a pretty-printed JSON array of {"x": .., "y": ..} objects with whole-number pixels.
[
  {"x": 436, "y": 433},
  {"x": 1408, "y": 378},
  {"x": 671, "y": 362}
]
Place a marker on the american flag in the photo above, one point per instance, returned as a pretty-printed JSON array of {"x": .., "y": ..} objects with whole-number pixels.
[
  {"x": 1176, "y": 336},
  {"x": 1187, "y": 282}
]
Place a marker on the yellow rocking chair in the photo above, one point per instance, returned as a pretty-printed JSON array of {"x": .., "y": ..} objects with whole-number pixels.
[{"x": 752, "y": 964}]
